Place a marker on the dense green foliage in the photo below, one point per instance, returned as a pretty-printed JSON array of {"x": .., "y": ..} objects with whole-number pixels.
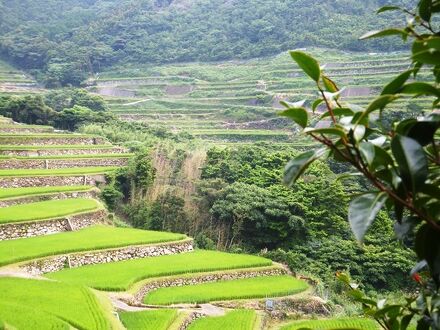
[
  {"x": 244, "y": 204},
  {"x": 47, "y": 301},
  {"x": 91, "y": 238},
  {"x": 46, "y": 209},
  {"x": 67, "y": 40},
  {"x": 159, "y": 319},
  {"x": 237, "y": 320},
  {"x": 400, "y": 161},
  {"x": 257, "y": 287},
  {"x": 120, "y": 276},
  {"x": 65, "y": 109}
]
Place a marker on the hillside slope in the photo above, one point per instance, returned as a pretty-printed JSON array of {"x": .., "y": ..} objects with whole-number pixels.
[{"x": 68, "y": 39}]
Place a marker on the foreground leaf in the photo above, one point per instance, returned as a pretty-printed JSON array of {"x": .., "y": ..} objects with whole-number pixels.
[
  {"x": 298, "y": 115},
  {"x": 411, "y": 160},
  {"x": 363, "y": 210},
  {"x": 298, "y": 165},
  {"x": 384, "y": 33},
  {"x": 308, "y": 64}
]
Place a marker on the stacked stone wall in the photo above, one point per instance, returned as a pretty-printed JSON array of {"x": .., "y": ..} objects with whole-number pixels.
[
  {"x": 39, "y": 141},
  {"x": 47, "y": 227},
  {"x": 207, "y": 278},
  {"x": 57, "y": 263},
  {"x": 50, "y": 181},
  {"x": 55, "y": 196},
  {"x": 60, "y": 163},
  {"x": 61, "y": 152}
]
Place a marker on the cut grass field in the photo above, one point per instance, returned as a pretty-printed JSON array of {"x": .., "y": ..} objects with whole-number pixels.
[
  {"x": 6, "y": 193},
  {"x": 151, "y": 319},
  {"x": 47, "y": 210},
  {"x": 88, "y": 239},
  {"x": 235, "y": 320},
  {"x": 257, "y": 287},
  {"x": 73, "y": 304},
  {"x": 120, "y": 276},
  {"x": 57, "y": 172},
  {"x": 330, "y": 324}
]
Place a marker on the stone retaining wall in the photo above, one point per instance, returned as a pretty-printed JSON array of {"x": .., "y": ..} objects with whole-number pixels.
[
  {"x": 50, "y": 181},
  {"x": 57, "y": 263},
  {"x": 61, "y": 152},
  {"x": 190, "y": 319},
  {"x": 60, "y": 163},
  {"x": 20, "y": 130},
  {"x": 39, "y": 141},
  {"x": 47, "y": 227},
  {"x": 198, "y": 279},
  {"x": 55, "y": 196}
]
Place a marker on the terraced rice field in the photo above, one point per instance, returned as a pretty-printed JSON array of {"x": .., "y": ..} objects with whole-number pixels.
[
  {"x": 237, "y": 320},
  {"x": 347, "y": 323},
  {"x": 6, "y": 193},
  {"x": 57, "y": 172},
  {"x": 258, "y": 287},
  {"x": 88, "y": 239},
  {"x": 159, "y": 319},
  {"x": 47, "y": 210},
  {"x": 120, "y": 276},
  {"x": 238, "y": 101},
  {"x": 46, "y": 301}
]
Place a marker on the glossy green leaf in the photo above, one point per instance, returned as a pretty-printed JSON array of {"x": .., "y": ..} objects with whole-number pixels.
[
  {"x": 308, "y": 64},
  {"x": 362, "y": 212},
  {"x": 379, "y": 103},
  {"x": 425, "y": 9},
  {"x": 427, "y": 247},
  {"x": 411, "y": 160},
  {"x": 387, "y": 8},
  {"x": 420, "y": 88},
  {"x": 422, "y": 131},
  {"x": 298, "y": 115},
  {"x": 299, "y": 164},
  {"x": 316, "y": 104},
  {"x": 384, "y": 33},
  {"x": 337, "y": 112},
  {"x": 329, "y": 131},
  {"x": 394, "y": 86},
  {"x": 330, "y": 85},
  {"x": 427, "y": 51}
]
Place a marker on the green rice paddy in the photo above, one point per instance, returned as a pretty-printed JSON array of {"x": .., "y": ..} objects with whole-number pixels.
[
  {"x": 150, "y": 319},
  {"x": 331, "y": 324},
  {"x": 50, "y": 301},
  {"x": 47, "y": 210},
  {"x": 57, "y": 172},
  {"x": 6, "y": 193},
  {"x": 87, "y": 239},
  {"x": 257, "y": 287},
  {"x": 119, "y": 276},
  {"x": 236, "y": 320}
]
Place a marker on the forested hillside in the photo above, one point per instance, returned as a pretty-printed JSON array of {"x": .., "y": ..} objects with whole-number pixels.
[{"x": 62, "y": 42}]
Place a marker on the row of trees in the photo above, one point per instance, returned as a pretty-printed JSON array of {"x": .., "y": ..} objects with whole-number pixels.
[{"x": 63, "y": 109}]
